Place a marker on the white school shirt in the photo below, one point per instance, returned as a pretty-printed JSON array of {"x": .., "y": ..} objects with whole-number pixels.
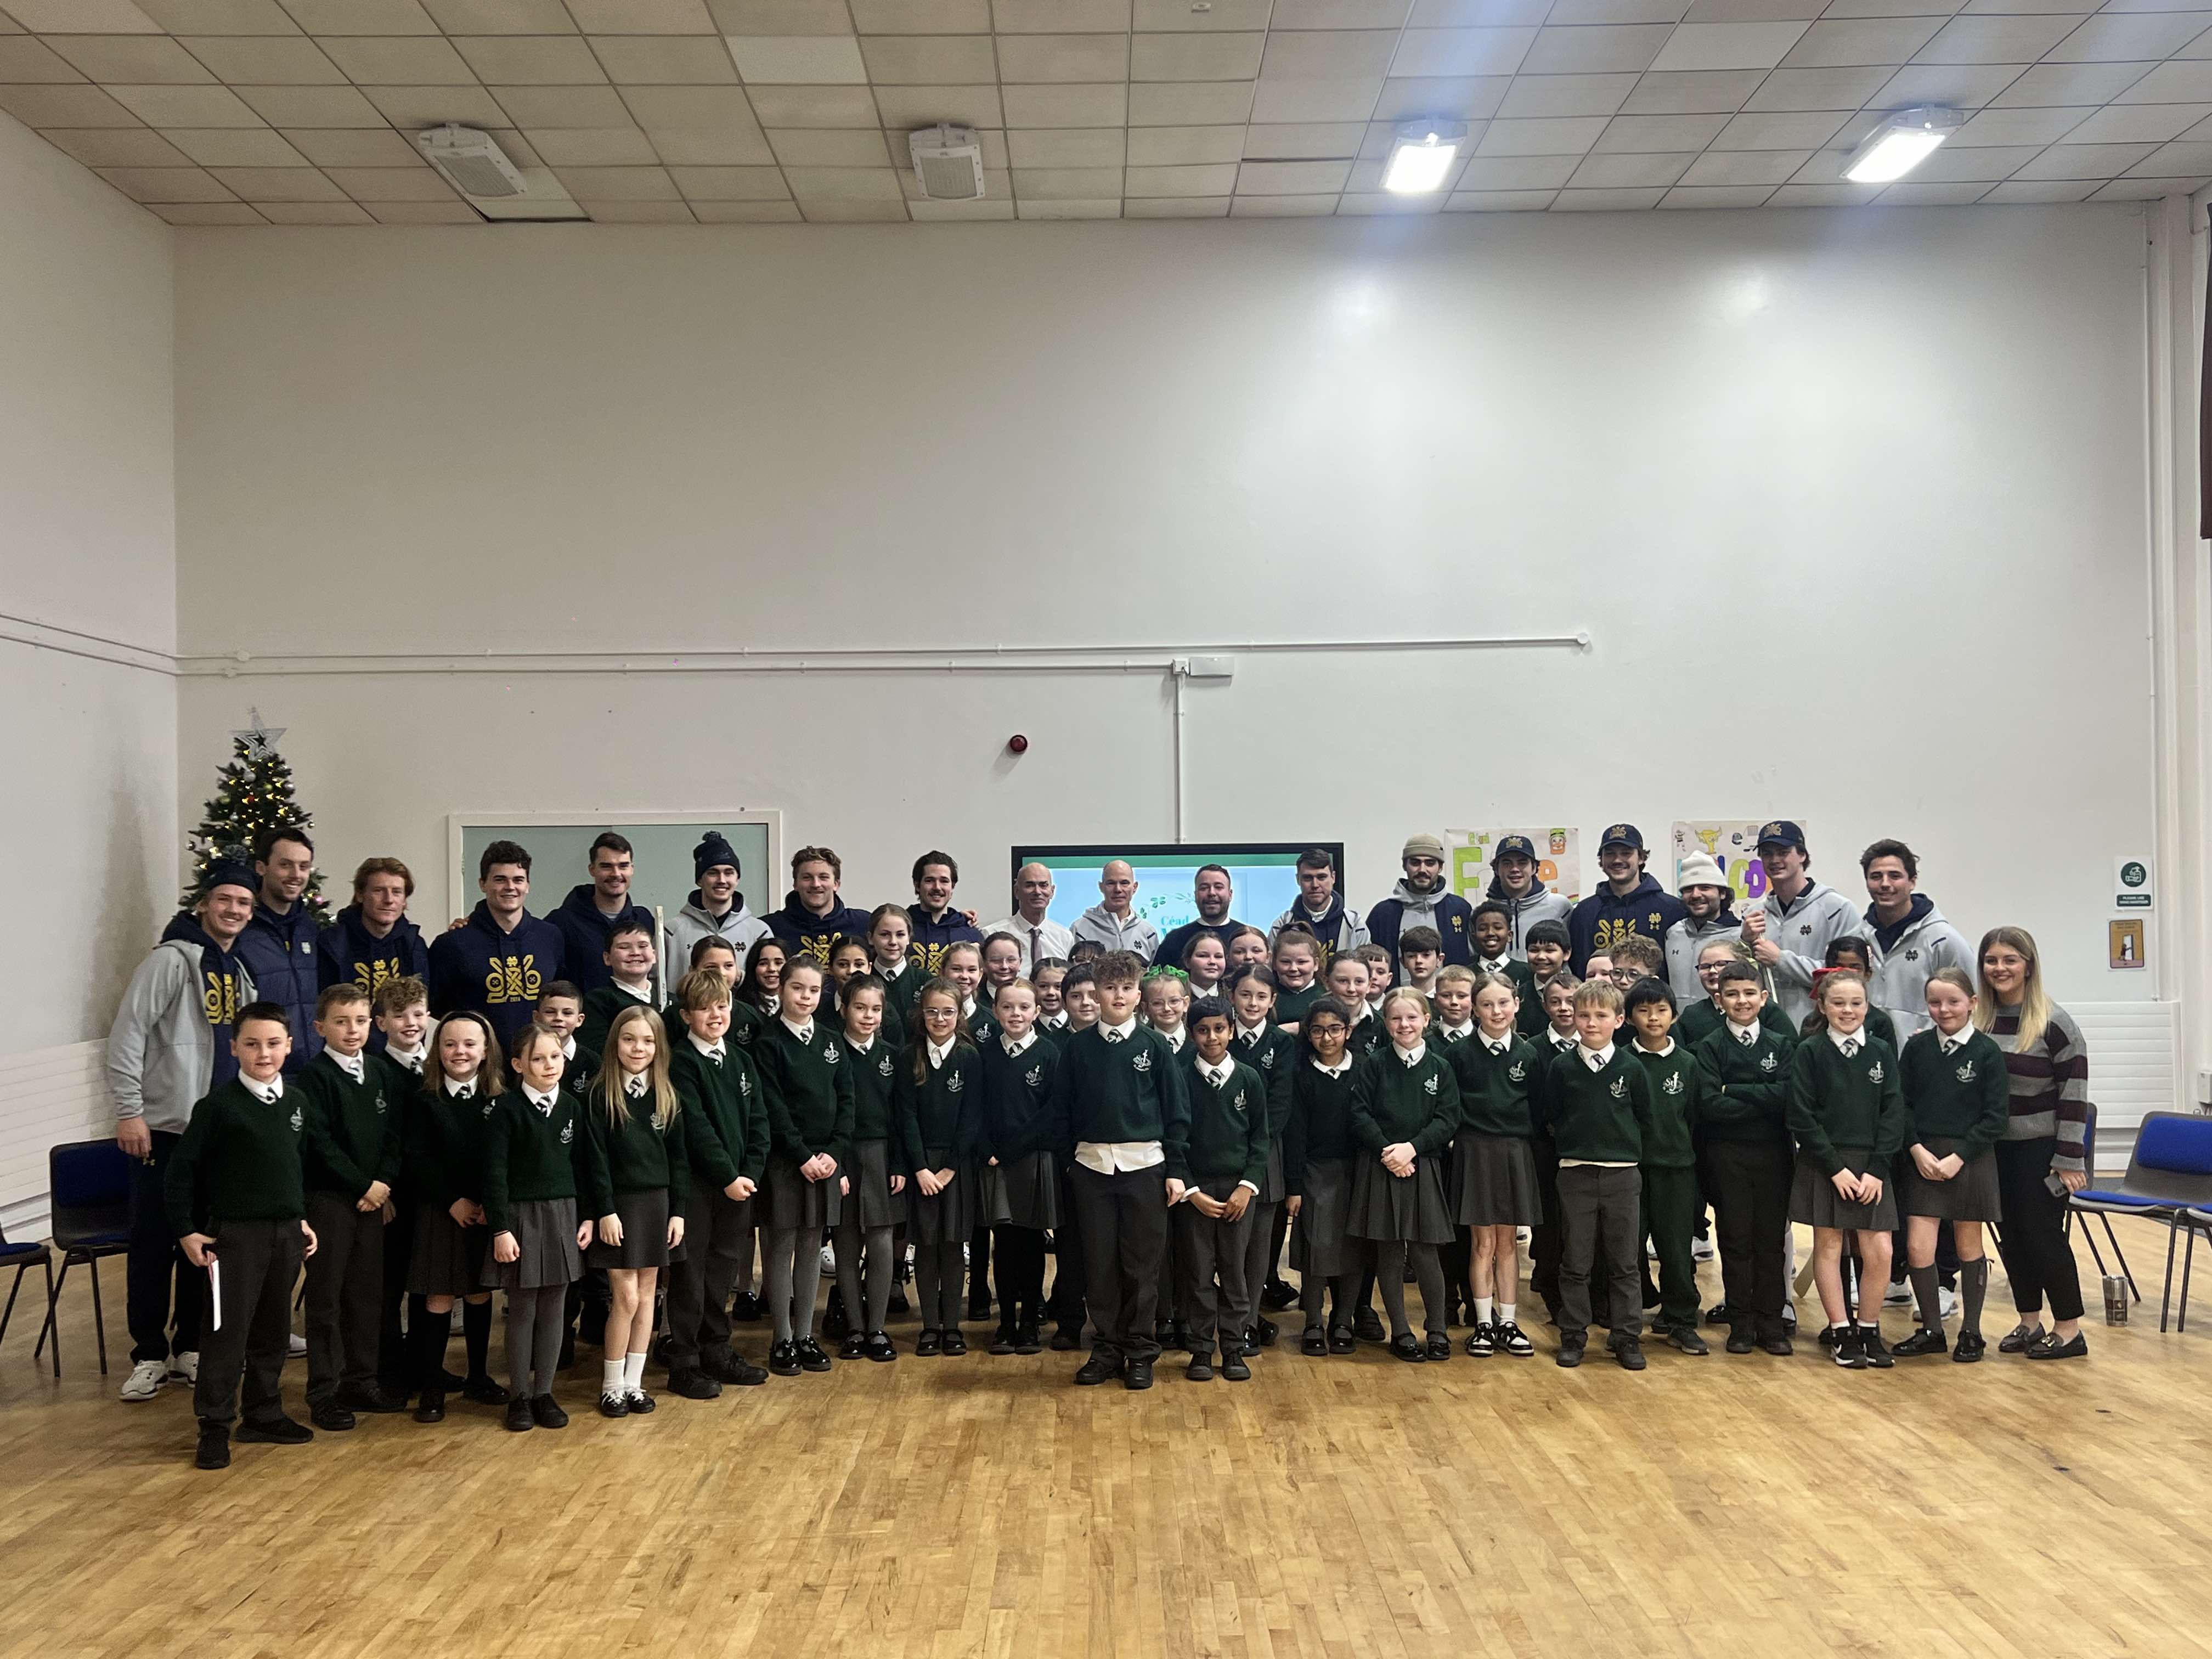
[
  {"x": 1597, "y": 1059},
  {"x": 1747, "y": 1035},
  {"x": 414, "y": 1058},
  {"x": 1456, "y": 1033},
  {"x": 1337, "y": 1070},
  {"x": 1014, "y": 1048},
  {"x": 267, "y": 1093},
  {"x": 543, "y": 1103},
  {"x": 644, "y": 996},
  {"x": 1847, "y": 1046},
  {"x": 804, "y": 1033},
  {"x": 1113, "y": 1157},
  {"x": 353, "y": 1066},
  {"x": 937, "y": 1051},
  {"x": 713, "y": 1051}
]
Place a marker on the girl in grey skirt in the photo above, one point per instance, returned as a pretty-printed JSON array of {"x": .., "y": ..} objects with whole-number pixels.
[
  {"x": 640, "y": 1172},
  {"x": 537, "y": 1160},
  {"x": 936, "y": 1106},
  {"x": 874, "y": 1201},
  {"x": 1318, "y": 1149},
  {"x": 1018, "y": 1174},
  {"x": 1847, "y": 1113},
  {"x": 441, "y": 1171},
  {"x": 1957, "y": 1091}
]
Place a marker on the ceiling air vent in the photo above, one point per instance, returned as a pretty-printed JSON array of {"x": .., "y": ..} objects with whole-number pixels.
[
  {"x": 471, "y": 162},
  {"x": 948, "y": 161}
]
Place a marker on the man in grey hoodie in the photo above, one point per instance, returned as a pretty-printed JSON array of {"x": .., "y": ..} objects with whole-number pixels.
[
  {"x": 1705, "y": 894},
  {"x": 1791, "y": 934},
  {"x": 1907, "y": 936},
  {"x": 1515, "y": 883},
  {"x": 715, "y": 909},
  {"x": 1111, "y": 921},
  {"x": 169, "y": 1047}
]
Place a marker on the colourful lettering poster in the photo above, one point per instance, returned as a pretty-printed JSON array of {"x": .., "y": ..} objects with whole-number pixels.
[{"x": 1559, "y": 859}]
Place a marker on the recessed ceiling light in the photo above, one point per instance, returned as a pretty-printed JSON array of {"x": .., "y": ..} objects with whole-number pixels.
[
  {"x": 1422, "y": 155},
  {"x": 1901, "y": 143}
]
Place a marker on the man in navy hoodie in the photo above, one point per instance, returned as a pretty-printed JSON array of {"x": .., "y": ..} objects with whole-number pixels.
[
  {"x": 814, "y": 917},
  {"x": 590, "y": 912},
  {"x": 371, "y": 940},
  {"x": 278, "y": 944},
  {"x": 1628, "y": 902},
  {"x": 1421, "y": 901},
  {"x": 932, "y": 925},
  {"x": 497, "y": 961}
]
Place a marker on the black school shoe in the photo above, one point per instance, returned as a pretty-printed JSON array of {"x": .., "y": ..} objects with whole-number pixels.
[
  {"x": 1685, "y": 1338},
  {"x": 929, "y": 1344},
  {"x": 372, "y": 1400},
  {"x": 1200, "y": 1369},
  {"x": 693, "y": 1384},
  {"x": 545, "y": 1411},
  {"x": 520, "y": 1418},
  {"x": 1266, "y": 1331},
  {"x": 726, "y": 1365},
  {"x": 1409, "y": 1348},
  {"x": 1439, "y": 1346},
  {"x": 1870, "y": 1344},
  {"x": 746, "y": 1308},
  {"x": 1629, "y": 1354},
  {"x": 1276, "y": 1295},
  {"x": 1740, "y": 1341},
  {"x": 1234, "y": 1370},
  {"x": 1719, "y": 1314},
  {"x": 855, "y": 1346},
  {"x": 1002, "y": 1340},
  {"x": 1315, "y": 1343},
  {"x": 615, "y": 1404},
  {"x": 1342, "y": 1341},
  {"x": 1969, "y": 1349},
  {"x": 783, "y": 1359},
  {"x": 213, "y": 1451},
  {"x": 879, "y": 1348},
  {"x": 638, "y": 1401},
  {"x": 335, "y": 1419},
  {"x": 1095, "y": 1369},
  {"x": 2020, "y": 1339},
  {"x": 279, "y": 1431},
  {"x": 2075, "y": 1347},
  {"x": 1367, "y": 1326},
  {"x": 1778, "y": 1345},
  {"x": 1571, "y": 1355},
  {"x": 955, "y": 1343},
  {"x": 1028, "y": 1339},
  {"x": 1921, "y": 1341},
  {"x": 1136, "y": 1374},
  {"x": 430, "y": 1407},
  {"x": 813, "y": 1358},
  {"x": 485, "y": 1391}
]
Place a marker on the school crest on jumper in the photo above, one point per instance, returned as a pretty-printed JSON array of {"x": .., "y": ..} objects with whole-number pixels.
[
  {"x": 1143, "y": 1060},
  {"x": 1034, "y": 1076},
  {"x": 568, "y": 1132},
  {"x": 295, "y": 1120},
  {"x": 954, "y": 1083},
  {"x": 1267, "y": 1059},
  {"x": 1766, "y": 1061},
  {"x": 1619, "y": 1088},
  {"x": 1238, "y": 1104},
  {"x": 1672, "y": 1082},
  {"x": 830, "y": 1053},
  {"x": 1518, "y": 1070},
  {"x": 883, "y": 1066},
  {"x": 380, "y": 1103},
  {"x": 1966, "y": 1073},
  {"x": 1873, "y": 1073},
  {"x": 1428, "y": 1084},
  {"x": 745, "y": 1084}
]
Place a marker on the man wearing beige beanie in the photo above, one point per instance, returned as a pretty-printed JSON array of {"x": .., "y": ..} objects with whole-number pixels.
[{"x": 1706, "y": 894}]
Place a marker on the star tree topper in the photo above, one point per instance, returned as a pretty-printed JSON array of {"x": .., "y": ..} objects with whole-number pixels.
[{"x": 260, "y": 741}]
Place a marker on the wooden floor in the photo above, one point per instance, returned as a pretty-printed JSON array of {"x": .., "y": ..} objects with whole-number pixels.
[{"x": 1340, "y": 1507}]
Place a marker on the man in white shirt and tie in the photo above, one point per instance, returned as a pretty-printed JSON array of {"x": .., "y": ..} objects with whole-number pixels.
[{"x": 1040, "y": 939}]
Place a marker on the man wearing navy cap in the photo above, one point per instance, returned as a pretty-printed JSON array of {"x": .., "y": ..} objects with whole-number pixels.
[
  {"x": 1629, "y": 901},
  {"x": 1515, "y": 883},
  {"x": 1791, "y": 934}
]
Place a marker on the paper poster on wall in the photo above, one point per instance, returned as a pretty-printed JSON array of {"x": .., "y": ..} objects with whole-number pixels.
[
  {"x": 1734, "y": 844},
  {"x": 1559, "y": 857},
  {"x": 2125, "y": 941}
]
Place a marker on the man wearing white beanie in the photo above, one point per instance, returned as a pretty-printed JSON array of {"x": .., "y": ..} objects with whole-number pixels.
[{"x": 1705, "y": 894}]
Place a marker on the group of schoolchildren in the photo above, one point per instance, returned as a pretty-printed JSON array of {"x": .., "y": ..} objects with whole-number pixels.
[{"x": 1161, "y": 1129}]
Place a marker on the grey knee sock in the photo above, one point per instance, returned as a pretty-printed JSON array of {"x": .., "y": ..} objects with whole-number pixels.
[
  {"x": 1926, "y": 1293},
  {"x": 1311, "y": 1289},
  {"x": 776, "y": 1278},
  {"x": 1973, "y": 1285},
  {"x": 1390, "y": 1279},
  {"x": 521, "y": 1330},
  {"x": 552, "y": 1325},
  {"x": 805, "y": 1281}
]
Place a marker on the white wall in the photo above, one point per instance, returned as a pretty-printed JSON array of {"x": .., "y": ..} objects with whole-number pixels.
[
  {"x": 87, "y": 543},
  {"x": 1853, "y": 506}
]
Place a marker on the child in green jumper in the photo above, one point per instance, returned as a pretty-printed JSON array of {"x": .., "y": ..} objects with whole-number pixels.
[
  {"x": 1744, "y": 1163},
  {"x": 1223, "y": 1166},
  {"x": 1405, "y": 1105},
  {"x": 1598, "y": 1103},
  {"x": 1494, "y": 1182},
  {"x": 640, "y": 1179},
  {"x": 1848, "y": 1114},
  {"x": 1672, "y": 1202},
  {"x": 234, "y": 1196},
  {"x": 1958, "y": 1092},
  {"x": 537, "y": 1163}
]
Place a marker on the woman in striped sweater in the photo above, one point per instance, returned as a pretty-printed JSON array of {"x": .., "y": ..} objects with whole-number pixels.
[{"x": 2040, "y": 1160}]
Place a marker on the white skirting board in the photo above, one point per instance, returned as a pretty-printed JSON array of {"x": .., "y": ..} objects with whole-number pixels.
[{"x": 49, "y": 1096}]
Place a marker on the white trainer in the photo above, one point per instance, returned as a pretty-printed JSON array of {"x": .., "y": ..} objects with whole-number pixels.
[
  {"x": 185, "y": 1368},
  {"x": 1947, "y": 1301},
  {"x": 297, "y": 1348},
  {"x": 145, "y": 1380},
  {"x": 1701, "y": 1249}
]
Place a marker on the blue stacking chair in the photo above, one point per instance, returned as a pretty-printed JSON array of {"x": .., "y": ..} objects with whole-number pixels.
[
  {"x": 2169, "y": 1172},
  {"x": 22, "y": 1258},
  {"x": 90, "y": 1180}
]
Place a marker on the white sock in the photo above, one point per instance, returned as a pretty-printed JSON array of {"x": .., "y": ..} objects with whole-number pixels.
[
  {"x": 1482, "y": 1310},
  {"x": 632, "y": 1372},
  {"x": 611, "y": 1377},
  {"x": 1505, "y": 1314},
  {"x": 1839, "y": 1324}
]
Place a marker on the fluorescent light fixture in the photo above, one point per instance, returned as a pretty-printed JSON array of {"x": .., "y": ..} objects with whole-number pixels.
[
  {"x": 1421, "y": 155},
  {"x": 1901, "y": 143}
]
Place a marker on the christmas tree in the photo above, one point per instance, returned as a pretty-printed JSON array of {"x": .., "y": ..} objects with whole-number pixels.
[{"x": 253, "y": 794}]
